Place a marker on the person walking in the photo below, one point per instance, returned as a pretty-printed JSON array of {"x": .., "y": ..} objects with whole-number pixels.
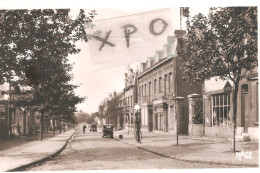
[{"x": 84, "y": 128}]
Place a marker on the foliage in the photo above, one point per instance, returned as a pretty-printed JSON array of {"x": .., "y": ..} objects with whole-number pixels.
[
  {"x": 113, "y": 109},
  {"x": 224, "y": 45},
  {"x": 84, "y": 117},
  {"x": 101, "y": 110},
  {"x": 34, "y": 49},
  {"x": 221, "y": 45}
]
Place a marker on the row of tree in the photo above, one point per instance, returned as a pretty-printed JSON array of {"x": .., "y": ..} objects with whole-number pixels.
[
  {"x": 34, "y": 50},
  {"x": 111, "y": 110},
  {"x": 83, "y": 117}
]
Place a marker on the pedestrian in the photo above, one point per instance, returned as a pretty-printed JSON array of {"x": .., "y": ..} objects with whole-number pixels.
[
  {"x": 18, "y": 130},
  {"x": 84, "y": 128}
]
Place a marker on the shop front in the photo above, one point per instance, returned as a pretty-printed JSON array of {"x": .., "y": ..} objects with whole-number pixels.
[{"x": 218, "y": 109}]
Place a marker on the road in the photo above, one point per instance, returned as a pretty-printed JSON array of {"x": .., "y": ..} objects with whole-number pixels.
[{"x": 92, "y": 152}]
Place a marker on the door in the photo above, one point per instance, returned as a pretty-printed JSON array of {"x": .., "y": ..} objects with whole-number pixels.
[
  {"x": 245, "y": 108},
  {"x": 150, "y": 120}
]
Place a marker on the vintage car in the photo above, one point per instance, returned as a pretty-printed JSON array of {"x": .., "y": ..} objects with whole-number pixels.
[
  {"x": 107, "y": 130},
  {"x": 93, "y": 127}
]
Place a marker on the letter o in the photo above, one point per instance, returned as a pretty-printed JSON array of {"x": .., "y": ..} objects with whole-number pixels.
[{"x": 151, "y": 27}]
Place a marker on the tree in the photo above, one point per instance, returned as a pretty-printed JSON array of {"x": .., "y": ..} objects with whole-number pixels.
[
  {"x": 34, "y": 47},
  {"x": 224, "y": 45},
  {"x": 101, "y": 110},
  {"x": 113, "y": 110}
]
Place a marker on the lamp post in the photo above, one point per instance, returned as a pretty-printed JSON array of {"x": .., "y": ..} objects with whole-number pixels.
[
  {"x": 176, "y": 100},
  {"x": 137, "y": 121}
]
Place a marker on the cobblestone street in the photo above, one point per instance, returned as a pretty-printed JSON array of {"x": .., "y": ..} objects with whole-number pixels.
[{"x": 92, "y": 152}]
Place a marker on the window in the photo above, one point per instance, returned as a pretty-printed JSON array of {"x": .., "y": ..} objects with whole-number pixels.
[
  {"x": 160, "y": 84},
  {"x": 221, "y": 110},
  {"x": 145, "y": 90},
  {"x": 154, "y": 86},
  {"x": 170, "y": 81},
  {"x": 2, "y": 110},
  {"x": 165, "y": 84},
  {"x": 142, "y": 90},
  {"x": 149, "y": 91}
]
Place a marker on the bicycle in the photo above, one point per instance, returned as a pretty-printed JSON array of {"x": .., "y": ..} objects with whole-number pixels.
[{"x": 140, "y": 135}]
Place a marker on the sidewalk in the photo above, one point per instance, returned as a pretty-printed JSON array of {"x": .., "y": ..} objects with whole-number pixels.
[
  {"x": 24, "y": 151},
  {"x": 194, "y": 149}
]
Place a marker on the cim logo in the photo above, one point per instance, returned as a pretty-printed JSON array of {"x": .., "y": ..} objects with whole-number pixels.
[{"x": 242, "y": 154}]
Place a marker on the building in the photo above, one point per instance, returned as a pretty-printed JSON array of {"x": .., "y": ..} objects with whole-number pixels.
[
  {"x": 18, "y": 120},
  {"x": 130, "y": 98},
  {"x": 113, "y": 110},
  {"x": 218, "y": 110},
  {"x": 120, "y": 116},
  {"x": 160, "y": 81}
]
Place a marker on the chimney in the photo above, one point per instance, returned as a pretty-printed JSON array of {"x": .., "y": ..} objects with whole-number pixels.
[
  {"x": 170, "y": 47},
  {"x": 165, "y": 50},
  {"x": 141, "y": 67},
  {"x": 114, "y": 93},
  {"x": 179, "y": 33}
]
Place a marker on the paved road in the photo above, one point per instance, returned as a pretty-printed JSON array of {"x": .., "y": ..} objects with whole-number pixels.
[{"x": 92, "y": 152}]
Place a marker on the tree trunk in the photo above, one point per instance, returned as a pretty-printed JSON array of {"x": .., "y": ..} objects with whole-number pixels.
[
  {"x": 24, "y": 122},
  {"x": 10, "y": 113},
  {"x": 60, "y": 124},
  {"x": 41, "y": 126},
  {"x": 234, "y": 99},
  {"x": 53, "y": 127}
]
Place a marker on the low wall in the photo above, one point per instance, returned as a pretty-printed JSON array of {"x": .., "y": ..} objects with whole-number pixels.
[
  {"x": 196, "y": 130},
  {"x": 253, "y": 133},
  {"x": 222, "y": 132}
]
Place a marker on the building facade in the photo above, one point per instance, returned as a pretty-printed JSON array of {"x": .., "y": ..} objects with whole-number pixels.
[
  {"x": 18, "y": 120},
  {"x": 130, "y": 98},
  {"x": 160, "y": 81},
  {"x": 218, "y": 110}
]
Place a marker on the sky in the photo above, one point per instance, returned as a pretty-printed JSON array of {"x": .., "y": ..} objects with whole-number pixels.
[{"x": 96, "y": 85}]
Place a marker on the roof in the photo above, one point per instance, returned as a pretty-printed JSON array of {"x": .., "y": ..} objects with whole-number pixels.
[
  {"x": 161, "y": 61},
  {"x": 215, "y": 83}
]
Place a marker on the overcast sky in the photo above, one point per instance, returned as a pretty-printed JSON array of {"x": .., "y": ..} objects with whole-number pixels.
[{"x": 96, "y": 85}]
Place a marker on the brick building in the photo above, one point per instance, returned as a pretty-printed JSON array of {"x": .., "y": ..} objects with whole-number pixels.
[{"x": 161, "y": 80}]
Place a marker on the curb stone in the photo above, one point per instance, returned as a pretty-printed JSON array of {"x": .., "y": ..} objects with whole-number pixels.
[
  {"x": 23, "y": 167},
  {"x": 192, "y": 161}
]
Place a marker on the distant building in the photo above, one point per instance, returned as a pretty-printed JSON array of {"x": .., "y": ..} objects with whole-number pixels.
[
  {"x": 161, "y": 80},
  {"x": 130, "y": 98}
]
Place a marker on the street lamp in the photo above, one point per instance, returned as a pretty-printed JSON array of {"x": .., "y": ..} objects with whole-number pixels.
[
  {"x": 137, "y": 122},
  {"x": 137, "y": 107}
]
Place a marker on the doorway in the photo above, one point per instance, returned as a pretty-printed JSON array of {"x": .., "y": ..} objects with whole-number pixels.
[{"x": 244, "y": 107}]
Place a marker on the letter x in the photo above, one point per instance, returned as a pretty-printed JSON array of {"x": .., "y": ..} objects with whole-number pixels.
[{"x": 104, "y": 40}]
